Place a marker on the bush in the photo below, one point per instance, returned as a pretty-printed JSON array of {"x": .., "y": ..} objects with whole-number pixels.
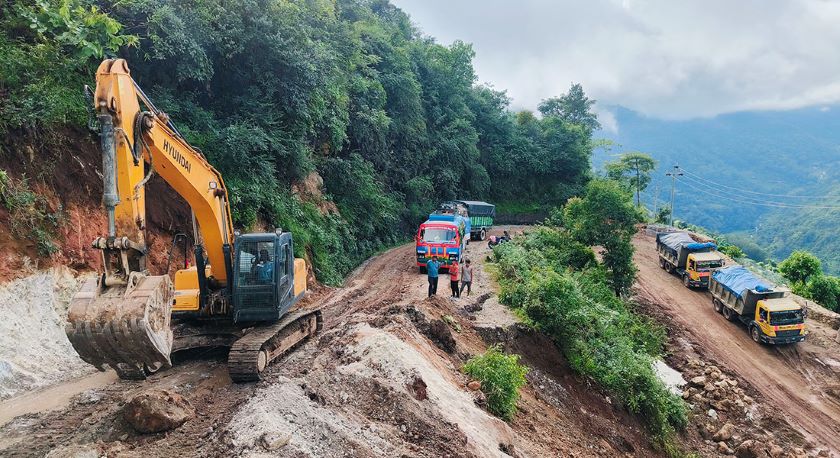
[
  {"x": 733, "y": 251},
  {"x": 501, "y": 377},
  {"x": 824, "y": 290}
]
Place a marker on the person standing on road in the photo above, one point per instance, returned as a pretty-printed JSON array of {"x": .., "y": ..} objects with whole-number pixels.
[
  {"x": 454, "y": 277},
  {"x": 466, "y": 278},
  {"x": 432, "y": 268}
]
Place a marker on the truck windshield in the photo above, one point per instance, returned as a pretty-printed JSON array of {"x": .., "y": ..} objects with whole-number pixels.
[
  {"x": 707, "y": 265},
  {"x": 438, "y": 235},
  {"x": 786, "y": 317}
]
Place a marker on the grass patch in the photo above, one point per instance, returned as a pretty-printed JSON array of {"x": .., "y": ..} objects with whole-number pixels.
[
  {"x": 29, "y": 214},
  {"x": 501, "y": 377}
]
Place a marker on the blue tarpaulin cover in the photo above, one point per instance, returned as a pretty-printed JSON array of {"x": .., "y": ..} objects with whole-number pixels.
[
  {"x": 737, "y": 279},
  {"x": 675, "y": 240}
]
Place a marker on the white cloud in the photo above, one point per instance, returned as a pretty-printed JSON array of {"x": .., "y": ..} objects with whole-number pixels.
[{"x": 663, "y": 58}]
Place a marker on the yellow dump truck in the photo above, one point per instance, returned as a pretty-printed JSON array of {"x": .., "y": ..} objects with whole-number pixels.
[
  {"x": 770, "y": 314},
  {"x": 693, "y": 261}
]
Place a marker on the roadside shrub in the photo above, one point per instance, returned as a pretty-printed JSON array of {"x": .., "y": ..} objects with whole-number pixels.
[
  {"x": 824, "y": 290},
  {"x": 733, "y": 251},
  {"x": 596, "y": 330},
  {"x": 501, "y": 377}
]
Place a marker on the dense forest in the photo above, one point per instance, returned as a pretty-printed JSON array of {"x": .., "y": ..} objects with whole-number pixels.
[{"x": 284, "y": 94}]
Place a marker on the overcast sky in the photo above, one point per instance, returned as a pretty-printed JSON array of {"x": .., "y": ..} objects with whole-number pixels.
[{"x": 669, "y": 59}]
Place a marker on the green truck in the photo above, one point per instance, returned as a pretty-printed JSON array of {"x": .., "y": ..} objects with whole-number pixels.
[{"x": 481, "y": 217}]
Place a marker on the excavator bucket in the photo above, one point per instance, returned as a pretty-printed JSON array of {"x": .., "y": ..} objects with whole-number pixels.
[{"x": 124, "y": 326}]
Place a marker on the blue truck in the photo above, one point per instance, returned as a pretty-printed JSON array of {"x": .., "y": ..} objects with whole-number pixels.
[{"x": 480, "y": 214}]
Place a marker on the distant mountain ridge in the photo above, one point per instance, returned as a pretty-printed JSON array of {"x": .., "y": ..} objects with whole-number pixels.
[{"x": 792, "y": 153}]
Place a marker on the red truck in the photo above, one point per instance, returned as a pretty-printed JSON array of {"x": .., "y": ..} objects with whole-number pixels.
[{"x": 444, "y": 239}]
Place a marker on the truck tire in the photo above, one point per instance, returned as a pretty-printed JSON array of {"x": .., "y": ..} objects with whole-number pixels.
[
  {"x": 661, "y": 263},
  {"x": 755, "y": 334},
  {"x": 669, "y": 267},
  {"x": 717, "y": 305},
  {"x": 686, "y": 281},
  {"x": 482, "y": 235},
  {"x": 727, "y": 313},
  {"x": 422, "y": 269}
]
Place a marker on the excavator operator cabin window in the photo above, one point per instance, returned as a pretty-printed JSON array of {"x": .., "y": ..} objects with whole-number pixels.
[{"x": 256, "y": 263}]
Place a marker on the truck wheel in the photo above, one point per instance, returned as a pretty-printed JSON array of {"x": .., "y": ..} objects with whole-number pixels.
[
  {"x": 686, "y": 281},
  {"x": 718, "y": 306},
  {"x": 482, "y": 235},
  {"x": 668, "y": 267},
  {"x": 422, "y": 269},
  {"x": 661, "y": 263},
  {"x": 727, "y": 313},
  {"x": 755, "y": 334}
]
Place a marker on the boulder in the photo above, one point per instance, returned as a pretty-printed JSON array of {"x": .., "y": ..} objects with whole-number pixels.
[
  {"x": 698, "y": 381},
  {"x": 776, "y": 451},
  {"x": 712, "y": 413},
  {"x": 157, "y": 410},
  {"x": 474, "y": 385},
  {"x": 724, "y": 433},
  {"x": 273, "y": 441},
  {"x": 708, "y": 387},
  {"x": 750, "y": 449},
  {"x": 724, "y": 449}
]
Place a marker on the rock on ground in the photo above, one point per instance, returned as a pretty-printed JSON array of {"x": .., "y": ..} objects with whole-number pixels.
[{"x": 154, "y": 411}]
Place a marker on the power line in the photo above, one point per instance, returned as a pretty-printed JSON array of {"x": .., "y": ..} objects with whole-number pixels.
[
  {"x": 764, "y": 204},
  {"x": 754, "y": 192}
]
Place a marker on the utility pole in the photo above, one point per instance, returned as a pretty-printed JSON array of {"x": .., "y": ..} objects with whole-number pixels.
[{"x": 674, "y": 174}]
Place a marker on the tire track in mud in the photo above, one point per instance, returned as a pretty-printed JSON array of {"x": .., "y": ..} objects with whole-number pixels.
[{"x": 784, "y": 376}]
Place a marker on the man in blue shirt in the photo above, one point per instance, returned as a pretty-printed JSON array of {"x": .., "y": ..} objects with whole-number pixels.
[{"x": 432, "y": 268}]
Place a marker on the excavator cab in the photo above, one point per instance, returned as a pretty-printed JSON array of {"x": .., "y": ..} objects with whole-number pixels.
[{"x": 263, "y": 277}]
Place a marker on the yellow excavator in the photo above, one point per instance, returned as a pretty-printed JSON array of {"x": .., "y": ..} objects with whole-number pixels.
[{"x": 238, "y": 294}]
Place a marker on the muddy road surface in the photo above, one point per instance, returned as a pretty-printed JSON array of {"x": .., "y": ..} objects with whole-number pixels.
[
  {"x": 382, "y": 379},
  {"x": 799, "y": 381}
]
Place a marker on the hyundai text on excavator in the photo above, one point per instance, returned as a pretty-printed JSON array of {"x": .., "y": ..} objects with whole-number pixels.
[{"x": 238, "y": 293}]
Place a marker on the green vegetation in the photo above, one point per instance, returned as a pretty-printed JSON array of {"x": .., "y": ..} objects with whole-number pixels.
[
  {"x": 605, "y": 216},
  {"x": 633, "y": 170},
  {"x": 824, "y": 290},
  {"x": 804, "y": 271},
  {"x": 501, "y": 377},
  {"x": 554, "y": 280},
  {"x": 29, "y": 214},
  {"x": 733, "y": 251},
  {"x": 280, "y": 93},
  {"x": 800, "y": 266}
]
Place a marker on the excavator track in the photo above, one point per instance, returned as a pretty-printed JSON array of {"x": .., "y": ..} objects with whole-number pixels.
[{"x": 251, "y": 354}]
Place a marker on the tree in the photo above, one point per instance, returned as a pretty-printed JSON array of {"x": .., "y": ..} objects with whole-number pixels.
[
  {"x": 733, "y": 251},
  {"x": 662, "y": 215},
  {"x": 632, "y": 169},
  {"x": 800, "y": 266},
  {"x": 573, "y": 107},
  {"x": 825, "y": 290},
  {"x": 605, "y": 216}
]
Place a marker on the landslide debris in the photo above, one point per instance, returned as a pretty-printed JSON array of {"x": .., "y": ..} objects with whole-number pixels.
[{"x": 156, "y": 410}]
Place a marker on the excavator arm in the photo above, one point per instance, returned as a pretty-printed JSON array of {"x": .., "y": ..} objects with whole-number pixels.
[
  {"x": 248, "y": 286},
  {"x": 122, "y": 317}
]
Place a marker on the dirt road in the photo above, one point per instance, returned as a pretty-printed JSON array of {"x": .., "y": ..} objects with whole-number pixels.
[
  {"x": 382, "y": 379},
  {"x": 799, "y": 381}
]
